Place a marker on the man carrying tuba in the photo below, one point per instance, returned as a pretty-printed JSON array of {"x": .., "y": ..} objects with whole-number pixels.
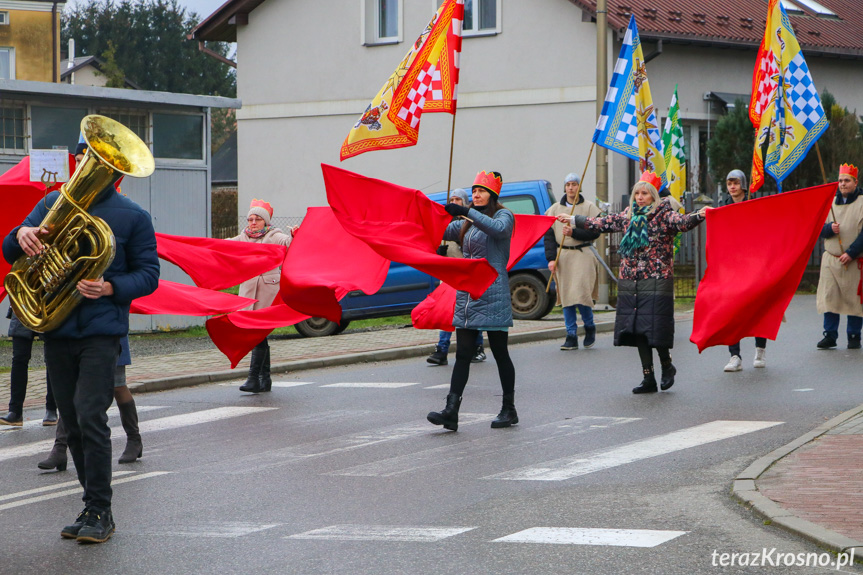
[{"x": 81, "y": 352}]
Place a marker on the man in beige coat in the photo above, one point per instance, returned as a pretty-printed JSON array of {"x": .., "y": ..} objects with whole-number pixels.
[
  {"x": 262, "y": 288},
  {"x": 575, "y": 270},
  {"x": 841, "y": 279}
]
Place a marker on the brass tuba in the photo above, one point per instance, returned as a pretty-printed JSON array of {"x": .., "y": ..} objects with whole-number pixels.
[{"x": 43, "y": 288}]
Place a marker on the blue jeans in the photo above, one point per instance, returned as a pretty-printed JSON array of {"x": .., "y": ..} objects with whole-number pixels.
[
  {"x": 569, "y": 317},
  {"x": 831, "y": 324},
  {"x": 446, "y": 336}
]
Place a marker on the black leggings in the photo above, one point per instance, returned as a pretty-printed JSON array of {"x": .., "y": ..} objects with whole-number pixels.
[
  {"x": 465, "y": 350},
  {"x": 645, "y": 352}
]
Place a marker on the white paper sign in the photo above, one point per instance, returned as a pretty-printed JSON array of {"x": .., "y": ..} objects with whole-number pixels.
[{"x": 50, "y": 164}]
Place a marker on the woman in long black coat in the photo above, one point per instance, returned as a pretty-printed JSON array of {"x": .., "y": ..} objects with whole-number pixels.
[{"x": 645, "y": 290}]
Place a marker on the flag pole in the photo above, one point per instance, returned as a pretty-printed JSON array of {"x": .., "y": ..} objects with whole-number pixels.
[
  {"x": 824, "y": 175},
  {"x": 571, "y": 211},
  {"x": 451, "y": 147}
]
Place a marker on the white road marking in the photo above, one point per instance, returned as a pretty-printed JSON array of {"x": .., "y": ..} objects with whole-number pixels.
[
  {"x": 53, "y": 487},
  {"x": 291, "y": 383},
  {"x": 569, "y": 467},
  {"x": 150, "y": 426},
  {"x": 112, "y": 412},
  {"x": 371, "y": 384},
  {"x": 218, "y": 530},
  {"x": 382, "y": 533},
  {"x": 441, "y": 386},
  {"x": 331, "y": 446},
  {"x": 578, "y": 536},
  {"x": 78, "y": 490},
  {"x": 804, "y": 389},
  {"x": 476, "y": 448}
]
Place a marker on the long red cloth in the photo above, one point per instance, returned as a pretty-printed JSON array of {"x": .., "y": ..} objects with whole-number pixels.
[
  {"x": 178, "y": 299},
  {"x": 219, "y": 264},
  {"x": 325, "y": 263},
  {"x": 18, "y": 196},
  {"x": 237, "y": 333},
  {"x": 402, "y": 225},
  {"x": 756, "y": 255},
  {"x": 436, "y": 311}
]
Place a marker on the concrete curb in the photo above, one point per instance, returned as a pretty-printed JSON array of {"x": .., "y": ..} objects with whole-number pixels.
[
  {"x": 745, "y": 490},
  {"x": 163, "y": 384}
]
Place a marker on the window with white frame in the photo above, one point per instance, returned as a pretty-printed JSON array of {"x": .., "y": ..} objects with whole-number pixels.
[
  {"x": 13, "y": 127},
  {"x": 382, "y": 21},
  {"x": 4, "y": 18},
  {"x": 7, "y": 63},
  {"x": 481, "y": 17}
]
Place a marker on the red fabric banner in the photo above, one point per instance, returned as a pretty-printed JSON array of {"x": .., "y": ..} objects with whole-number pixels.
[
  {"x": 178, "y": 299},
  {"x": 756, "y": 255},
  {"x": 18, "y": 196},
  {"x": 219, "y": 264},
  {"x": 401, "y": 225},
  {"x": 237, "y": 333},
  {"x": 436, "y": 310},
  {"x": 325, "y": 263}
]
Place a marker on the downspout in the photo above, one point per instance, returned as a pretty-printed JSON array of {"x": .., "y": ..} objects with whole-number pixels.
[{"x": 54, "y": 44}]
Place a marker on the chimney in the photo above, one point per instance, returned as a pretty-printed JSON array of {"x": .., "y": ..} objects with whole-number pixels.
[{"x": 71, "y": 60}]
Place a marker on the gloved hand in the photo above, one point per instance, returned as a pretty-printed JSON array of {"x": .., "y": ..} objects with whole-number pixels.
[
  {"x": 441, "y": 250},
  {"x": 456, "y": 210}
]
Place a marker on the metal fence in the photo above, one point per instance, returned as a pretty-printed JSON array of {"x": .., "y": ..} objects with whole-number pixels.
[{"x": 281, "y": 222}]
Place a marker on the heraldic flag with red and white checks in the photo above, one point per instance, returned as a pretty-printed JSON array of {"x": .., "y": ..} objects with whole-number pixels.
[
  {"x": 745, "y": 292},
  {"x": 426, "y": 80}
]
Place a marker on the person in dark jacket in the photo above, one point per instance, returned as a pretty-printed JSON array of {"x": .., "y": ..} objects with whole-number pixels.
[
  {"x": 645, "y": 296},
  {"x": 738, "y": 191},
  {"x": 485, "y": 232},
  {"x": 22, "y": 347},
  {"x": 81, "y": 353}
]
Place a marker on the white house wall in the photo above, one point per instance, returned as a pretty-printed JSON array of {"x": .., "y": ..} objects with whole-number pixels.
[{"x": 526, "y": 100}]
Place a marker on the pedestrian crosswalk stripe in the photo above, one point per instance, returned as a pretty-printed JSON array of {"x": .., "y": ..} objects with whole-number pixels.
[
  {"x": 331, "y": 446},
  {"x": 804, "y": 389},
  {"x": 382, "y": 533},
  {"x": 579, "y": 536},
  {"x": 371, "y": 384},
  {"x": 481, "y": 447},
  {"x": 47, "y": 488},
  {"x": 112, "y": 412},
  {"x": 441, "y": 386},
  {"x": 569, "y": 467},
  {"x": 291, "y": 383},
  {"x": 149, "y": 426},
  {"x": 77, "y": 490},
  {"x": 217, "y": 530}
]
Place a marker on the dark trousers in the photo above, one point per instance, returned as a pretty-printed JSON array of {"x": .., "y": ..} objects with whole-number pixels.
[
  {"x": 759, "y": 342},
  {"x": 82, "y": 378},
  {"x": 22, "y": 348},
  {"x": 466, "y": 349}
]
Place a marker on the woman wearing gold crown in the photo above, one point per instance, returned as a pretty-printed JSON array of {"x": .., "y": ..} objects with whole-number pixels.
[
  {"x": 263, "y": 288},
  {"x": 645, "y": 291}
]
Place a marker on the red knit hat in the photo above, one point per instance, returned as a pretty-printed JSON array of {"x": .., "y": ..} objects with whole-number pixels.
[
  {"x": 262, "y": 209},
  {"x": 848, "y": 169},
  {"x": 489, "y": 181},
  {"x": 652, "y": 179}
]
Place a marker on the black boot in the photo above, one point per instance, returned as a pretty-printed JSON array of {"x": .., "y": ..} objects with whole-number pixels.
[
  {"x": 853, "y": 341},
  {"x": 129, "y": 419},
  {"x": 589, "y": 337},
  {"x": 648, "y": 384},
  {"x": 507, "y": 415},
  {"x": 829, "y": 341},
  {"x": 57, "y": 458},
  {"x": 253, "y": 383},
  {"x": 448, "y": 416},
  {"x": 438, "y": 357},
  {"x": 668, "y": 373},
  {"x": 266, "y": 380}
]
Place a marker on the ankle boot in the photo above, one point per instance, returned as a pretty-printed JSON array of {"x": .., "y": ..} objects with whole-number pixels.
[
  {"x": 648, "y": 384},
  {"x": 129, "y": 419},
  {"x": 57, "y": 458},
  {"x": 253, "y": 383},
  {"x": 668, "y": 373},
  {"x": 507, "y": 415},
  {"x": 589, "y": 337},
  {"x": 448, "y": 416},
  {"x": 266, "y": 380}
]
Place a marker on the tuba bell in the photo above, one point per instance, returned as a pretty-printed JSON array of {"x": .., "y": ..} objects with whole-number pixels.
[{"x": 43, "y": 288}]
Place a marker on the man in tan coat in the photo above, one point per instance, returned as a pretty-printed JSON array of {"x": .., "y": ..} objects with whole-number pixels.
[
  {"x": 575, "y": 271},
  {"x": 841, "y": 279}
]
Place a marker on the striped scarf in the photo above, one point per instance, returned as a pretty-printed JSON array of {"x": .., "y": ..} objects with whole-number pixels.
[
  {"x": 636, "y": 234},
  {"x": 259, "y": 234}
]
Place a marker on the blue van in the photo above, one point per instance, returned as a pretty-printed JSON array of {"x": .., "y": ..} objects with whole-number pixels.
[{"x": 405, "y": 287}]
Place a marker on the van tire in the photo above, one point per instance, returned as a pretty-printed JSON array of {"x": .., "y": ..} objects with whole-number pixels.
[
  {"x": 529, "y": 300},
  {"x": 319, "y": 327}
]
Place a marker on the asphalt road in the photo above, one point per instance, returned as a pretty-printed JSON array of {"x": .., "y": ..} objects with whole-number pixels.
[{"x": 337, "y": 471}]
